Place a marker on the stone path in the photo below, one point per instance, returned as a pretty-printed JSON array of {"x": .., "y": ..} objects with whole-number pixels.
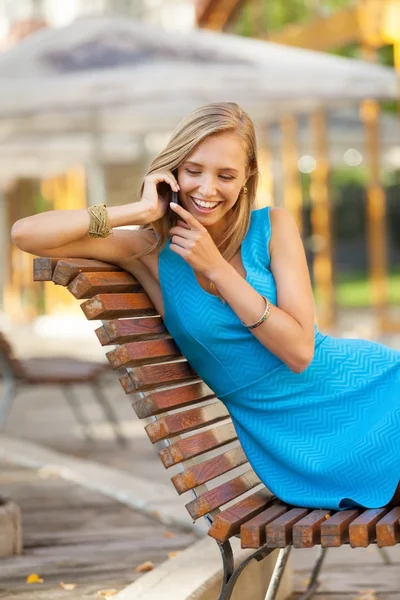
[
  {"x": 350, "y": 574},
  {"x": 77, "y": 536},
  {"x": 42, "y": 416}
]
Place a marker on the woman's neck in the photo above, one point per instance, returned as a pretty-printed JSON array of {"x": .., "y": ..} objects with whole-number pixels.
[{"x": 217, "y": 231}]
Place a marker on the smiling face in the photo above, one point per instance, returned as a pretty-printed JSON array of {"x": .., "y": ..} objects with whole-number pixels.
[{"x": 212, "y": 176}]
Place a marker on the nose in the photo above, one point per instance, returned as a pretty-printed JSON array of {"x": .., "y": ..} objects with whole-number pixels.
[{"x": 207, "y": 186}]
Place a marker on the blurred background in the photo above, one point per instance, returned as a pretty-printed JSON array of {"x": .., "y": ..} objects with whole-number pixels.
[
  {"x": 336, "y": 167},
  {"x": 90, "y": 92}
]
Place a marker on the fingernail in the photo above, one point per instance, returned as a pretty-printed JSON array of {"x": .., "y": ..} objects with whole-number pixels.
[{"x": 173, "y": 204}]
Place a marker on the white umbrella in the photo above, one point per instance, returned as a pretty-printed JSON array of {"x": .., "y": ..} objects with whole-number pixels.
[{"x": 140, "y": 78}]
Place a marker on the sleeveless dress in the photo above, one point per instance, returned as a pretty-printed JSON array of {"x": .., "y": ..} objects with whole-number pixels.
[{"x": 328, "y": 437}]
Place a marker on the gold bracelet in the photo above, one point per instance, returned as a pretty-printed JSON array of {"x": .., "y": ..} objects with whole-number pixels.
[
  {"x": 263, "y": 318},
  {"x": 99, "y": 224}
]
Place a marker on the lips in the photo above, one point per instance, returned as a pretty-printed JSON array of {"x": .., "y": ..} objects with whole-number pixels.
[{"x": 201, "y": 208}]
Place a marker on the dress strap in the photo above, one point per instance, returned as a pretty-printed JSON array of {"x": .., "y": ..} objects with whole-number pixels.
[{"x": 260, "y": 236}]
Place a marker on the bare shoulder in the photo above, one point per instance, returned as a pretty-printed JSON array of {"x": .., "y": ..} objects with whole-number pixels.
[
  {"x": 130, "y": 242},
  {"x": 281, "y": 217},
  {"x": 283, "y": 227}
]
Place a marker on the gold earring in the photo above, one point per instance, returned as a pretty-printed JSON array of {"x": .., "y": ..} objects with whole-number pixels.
[{"x": 243, "y": 190}]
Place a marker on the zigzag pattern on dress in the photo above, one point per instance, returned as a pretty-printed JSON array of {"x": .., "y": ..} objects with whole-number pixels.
[{"x": 327, "y": 437}]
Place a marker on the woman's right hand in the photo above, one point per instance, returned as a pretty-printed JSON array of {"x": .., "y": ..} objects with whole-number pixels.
[{"x": 156, "y": 197}]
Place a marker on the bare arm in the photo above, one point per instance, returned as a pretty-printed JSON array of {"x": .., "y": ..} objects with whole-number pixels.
[
  {"x": 289, "y": 331},
  {"x": 63, "y": 233}
]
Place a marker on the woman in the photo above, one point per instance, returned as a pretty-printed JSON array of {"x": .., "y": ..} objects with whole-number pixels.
[{"x": 318, "y": 417}]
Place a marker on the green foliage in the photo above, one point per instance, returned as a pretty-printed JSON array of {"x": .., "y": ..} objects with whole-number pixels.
[
  {"x": 266, "y": 16},
  {"x": 281, "y": 13},
  {"x": 275, "y": 14},
  {"x": 353, "y": 290}
]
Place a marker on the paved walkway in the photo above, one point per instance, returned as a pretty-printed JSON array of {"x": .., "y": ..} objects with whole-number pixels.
[
  {"x": 43, "y": 417},
  {"x": 73, "y": 535}
]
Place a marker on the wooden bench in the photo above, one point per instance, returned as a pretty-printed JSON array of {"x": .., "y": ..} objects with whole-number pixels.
[
  {"x": 190, "y": 422},
  {"x": 54, "y": 370}
]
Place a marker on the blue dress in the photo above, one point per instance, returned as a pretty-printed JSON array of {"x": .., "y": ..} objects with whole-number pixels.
[{"x": 328, "y": 437}]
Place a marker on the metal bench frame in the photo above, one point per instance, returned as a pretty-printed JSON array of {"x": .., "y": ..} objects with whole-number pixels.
[{"x": 15, "y": 380}]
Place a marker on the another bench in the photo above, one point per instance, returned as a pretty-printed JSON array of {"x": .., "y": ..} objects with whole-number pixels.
[
  {"x": 63, "y": 372},
  {"x": 191, "y": 422}
]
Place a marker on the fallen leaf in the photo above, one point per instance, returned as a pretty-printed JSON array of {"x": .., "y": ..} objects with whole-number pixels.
[
  {"x": 174, "y": 553},
  {"x": 34, "y": 578},
  {"x": 366, "y": 595},
  {"x": 106, "y": 593},
  {"x": 144, "y": 567},
  {"x": 67, "y": 586},
  {"x": 169, "y": 534}
]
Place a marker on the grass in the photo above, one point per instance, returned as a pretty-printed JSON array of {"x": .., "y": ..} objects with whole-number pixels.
[{"x": 353, "y": 290}]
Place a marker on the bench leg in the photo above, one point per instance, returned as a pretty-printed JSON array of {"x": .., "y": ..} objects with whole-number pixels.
[
  {"x": 109, "y": 413},
  {"x": 231, "y": 575},
  {"x": 9, "y": 393},
  {"x": 314, "y": 583},
  {"x": 228, "y": 566},
  {"x": 6, "y": 400},
  {"x": 76, "y": 410},
  {"x": 385, "y": 556},
  {"x": 278, "y": 573}
]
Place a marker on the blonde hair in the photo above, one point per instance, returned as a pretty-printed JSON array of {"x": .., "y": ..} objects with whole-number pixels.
[{"x": 203, "y": 122}]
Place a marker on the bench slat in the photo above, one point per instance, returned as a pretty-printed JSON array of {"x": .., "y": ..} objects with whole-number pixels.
[
  {"x": 252, "y": 533},
  {"x": 186, "y": 421},
  {"x": 153, "y": 376},
  {"x": 362, "y": 530},
  {"x": 67, "y": 269},
  {"x": 335, "y": 531},
  {"x": 388, "y": 529},
  {"x": 43, "y": 268},
  {"x": 279, "y": 533},
  {"x": 143, "y": 353},
  {"x": 307, "y": 532},
  {"x": 87, "y": 285},
  {"x": 121, "y": 331},
  {"x": 227, "y": 523},
  {"x": 222, "y": 494},
  {"x": 197, "y": 444},
  {"x": 113, "y": 306},
  {"x": 158, "y": 402},
  {"x": 208, "y": 469}
]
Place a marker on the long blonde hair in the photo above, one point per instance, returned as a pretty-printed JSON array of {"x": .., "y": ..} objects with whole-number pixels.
[{"x": 203, "y": 122}]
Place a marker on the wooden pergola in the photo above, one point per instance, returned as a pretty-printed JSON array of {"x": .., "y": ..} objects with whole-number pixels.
[{"x": 370, "y": 24}]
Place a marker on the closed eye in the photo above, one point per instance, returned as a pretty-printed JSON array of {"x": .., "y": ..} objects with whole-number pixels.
[{"x": 224, "y": 177}]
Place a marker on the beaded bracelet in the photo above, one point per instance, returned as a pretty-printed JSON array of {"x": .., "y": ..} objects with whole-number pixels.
[{"x": 264, "y": 316}]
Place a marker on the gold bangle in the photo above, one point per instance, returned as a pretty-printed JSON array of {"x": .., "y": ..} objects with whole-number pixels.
[
  {"x": 264, "y": 316},
  {"x": 99, "y": 224}
]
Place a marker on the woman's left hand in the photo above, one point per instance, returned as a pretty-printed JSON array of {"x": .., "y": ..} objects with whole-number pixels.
[{"x": 194, "y": 244}]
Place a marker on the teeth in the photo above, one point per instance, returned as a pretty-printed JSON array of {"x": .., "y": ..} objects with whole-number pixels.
[{"x": 204, "y": 204}]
